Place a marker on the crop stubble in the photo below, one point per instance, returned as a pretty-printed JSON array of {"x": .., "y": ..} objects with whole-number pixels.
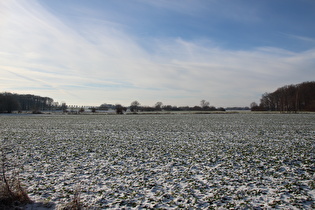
[{"x": 167, "y": 161}]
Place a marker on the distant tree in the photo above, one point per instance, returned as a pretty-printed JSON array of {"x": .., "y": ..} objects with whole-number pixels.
[
  {"x": 204, "y": 104},
  {"x": 210, "y": 108},
  {"x": 184, "y": 108},
  {"x": 170, "y": 108},
  {"x": 64, "y": 107},
  {"x": 147, "y": 109},
  {"x": 104, "y": 107},
  {"x": 120, "y": 109},
  {"x": 196, "y": 108},
  {"x": 221, "y": 109},
  {"x": 253, "y": 106},
  {"x": 167, "y": 107},
  {"x": 134, "y": 106},
  {"x": 158, "y": 106},
  {"x": 55, "y": 105}
]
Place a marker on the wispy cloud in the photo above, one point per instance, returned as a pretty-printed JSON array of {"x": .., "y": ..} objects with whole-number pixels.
[
  {"x": 95, "y": 61},
  {"x": 302, "y": 38}
]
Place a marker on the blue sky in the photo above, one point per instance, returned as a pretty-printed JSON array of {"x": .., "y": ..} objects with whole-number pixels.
[{"x": 228, "y": 52}]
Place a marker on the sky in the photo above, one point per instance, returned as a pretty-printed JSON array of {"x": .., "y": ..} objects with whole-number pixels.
[{"x": 227, "y": 52}]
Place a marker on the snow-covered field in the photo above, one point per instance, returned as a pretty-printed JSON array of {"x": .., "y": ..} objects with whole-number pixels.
[{"x": 167, "y": 161}]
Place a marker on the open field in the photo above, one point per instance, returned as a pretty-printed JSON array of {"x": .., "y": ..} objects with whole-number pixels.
[{"x": 167, "y": 161}]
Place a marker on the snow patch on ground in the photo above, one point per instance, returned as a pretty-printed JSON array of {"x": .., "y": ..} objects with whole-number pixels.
[{"x": 167, "y": 161}]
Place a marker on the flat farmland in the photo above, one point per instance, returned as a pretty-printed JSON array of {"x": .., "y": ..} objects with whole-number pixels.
[{"x": 166, "y": 161}]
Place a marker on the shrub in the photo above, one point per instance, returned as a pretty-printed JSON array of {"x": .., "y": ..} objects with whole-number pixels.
[
  {"x": 11, "y": 191},
  {"x": 75, "y": 203}
]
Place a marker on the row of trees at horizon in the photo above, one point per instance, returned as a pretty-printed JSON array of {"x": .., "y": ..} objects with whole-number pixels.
[
  {"x": 289, "y": 98},
  {"x": 10, "y": 102},
  {"x": 135, "y": 106}
]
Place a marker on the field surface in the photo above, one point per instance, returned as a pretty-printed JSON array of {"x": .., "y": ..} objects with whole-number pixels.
[{"x": 166, "y": 161}]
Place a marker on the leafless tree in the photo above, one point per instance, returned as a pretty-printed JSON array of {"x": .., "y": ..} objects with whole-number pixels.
[
  {"x": 204, "y": 104},
  {"x": 134, "y": 106},
  {"x": 158, "y": 106}
]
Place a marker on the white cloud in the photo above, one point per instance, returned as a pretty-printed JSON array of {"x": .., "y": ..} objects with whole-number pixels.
[{"x": 96, "y": 61}]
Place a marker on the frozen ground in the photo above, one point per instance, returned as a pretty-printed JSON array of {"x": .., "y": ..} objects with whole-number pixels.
[{"x": 167, "y": 161}]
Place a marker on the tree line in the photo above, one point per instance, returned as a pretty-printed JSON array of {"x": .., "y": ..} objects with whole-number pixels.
[
  {"x": 135, "y": 107},
  {"x": 289, "y": 98},
  {"x": 10, "y": 102}
]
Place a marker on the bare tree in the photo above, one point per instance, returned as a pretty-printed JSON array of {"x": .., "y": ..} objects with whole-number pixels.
[
  {"x": 134, "y": 106},
  {"x": 158, "y": 106},
  {"x": 204, "y": 104},
  {"x": 290, "y": 98}
]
